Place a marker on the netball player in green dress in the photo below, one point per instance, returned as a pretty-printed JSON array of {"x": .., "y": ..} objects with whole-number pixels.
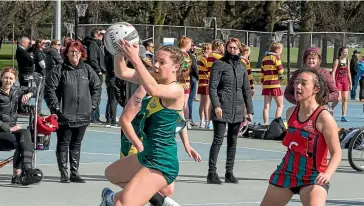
[{"x": 156, "y": 166}]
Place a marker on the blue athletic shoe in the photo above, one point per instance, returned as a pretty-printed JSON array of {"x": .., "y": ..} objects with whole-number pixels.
[{"x": 106, "y": 192}]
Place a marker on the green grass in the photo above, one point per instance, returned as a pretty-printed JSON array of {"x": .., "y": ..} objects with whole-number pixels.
[{"x": 7, "y": 49}]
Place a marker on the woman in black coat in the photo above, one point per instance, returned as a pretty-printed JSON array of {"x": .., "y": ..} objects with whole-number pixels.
[
  {"x": 72, "y": 91},
  {"x": 12, "y": 136},
  {"x": 229, "y": 90}
]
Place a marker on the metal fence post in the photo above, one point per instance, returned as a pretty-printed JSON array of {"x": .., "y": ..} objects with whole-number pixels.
[{"x": 247, "y": 38}]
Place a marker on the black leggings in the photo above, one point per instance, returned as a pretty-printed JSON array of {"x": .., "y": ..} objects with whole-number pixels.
[
  {"x": 232, "y": 135},
  {"x": 22, "y": 143}
]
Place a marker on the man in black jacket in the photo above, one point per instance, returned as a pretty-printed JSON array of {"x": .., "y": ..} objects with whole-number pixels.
[
  {"x": 25, "y": 60},
  {"x": 111, "y": 106},
  {"x": 96, "y": 59}
]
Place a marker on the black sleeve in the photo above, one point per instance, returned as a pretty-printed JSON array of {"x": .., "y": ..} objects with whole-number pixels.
[
  {"x": 194, "y": 69},
  {"x": 52, "y": 82},
  {"x": 119, "y": 91},
  {"x": 216, "y": 71},
  {"x": 57, "y": 57},
  {"x": 93, "y": 57},
  {"x": 247, "y": 94},
  {"x": 353, "y": 68},
  {"x": 95, "y": 88}
]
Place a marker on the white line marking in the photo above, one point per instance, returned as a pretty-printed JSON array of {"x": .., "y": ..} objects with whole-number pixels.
[
  {"x": 223, "y": 203},
  {"x": 235, "y": 203},
  {"x": 205, "y": 143}
]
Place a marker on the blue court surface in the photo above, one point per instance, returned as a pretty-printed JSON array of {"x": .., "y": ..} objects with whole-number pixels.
[{"x": 255, "y": 161}]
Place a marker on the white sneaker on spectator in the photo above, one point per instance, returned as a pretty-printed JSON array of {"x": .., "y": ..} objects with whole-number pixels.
[
  {"x": 189, "y": 126},
  {"x": 202, "y": 124}
]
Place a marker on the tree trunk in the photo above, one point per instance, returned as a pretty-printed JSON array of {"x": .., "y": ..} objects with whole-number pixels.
[
  {"x": 269, "y": 18},
  {"x": 159, "y": 18},
  {"x": 307, "y": 23}
]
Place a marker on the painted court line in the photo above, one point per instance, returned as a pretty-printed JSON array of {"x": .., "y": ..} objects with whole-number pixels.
[
  {"x": 205, "y": 143},
  {"x": 237, "y": 203}
]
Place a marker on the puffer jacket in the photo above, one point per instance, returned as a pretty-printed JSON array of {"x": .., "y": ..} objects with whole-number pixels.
[
  {"x": 9, "y": 106},
  {"x": 229, "y": 89},
  {"x": 72, "y": 93}
]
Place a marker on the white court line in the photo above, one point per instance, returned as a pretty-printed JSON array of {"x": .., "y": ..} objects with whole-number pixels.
[
  {"x": 235, "y": 203},
  {"x": 223, "y": 203},
  {"x": 250, "y": 148}
]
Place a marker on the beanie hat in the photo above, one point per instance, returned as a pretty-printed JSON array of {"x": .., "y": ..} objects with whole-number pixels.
[{"x": 311, "y": 50}]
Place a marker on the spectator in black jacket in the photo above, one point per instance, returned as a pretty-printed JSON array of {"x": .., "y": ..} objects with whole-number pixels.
[
  {"x": 25, "y": 60},
  {"x": 230, "y": 92},
  {"x": 193, "y": 83},
  {"x": 96, "y": 59},
  {"x": 72, "y": 91},
  {"x": 112, "y": 104},
  {"x": 40, "y": 67},
  {"x": 354, "y": 72},
  {"x": 12, "y": 136},
  {"x": 54, "y": 57}
]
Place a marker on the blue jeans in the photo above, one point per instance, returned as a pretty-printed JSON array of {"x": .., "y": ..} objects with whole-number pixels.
[{"x": 193, "y": 84}]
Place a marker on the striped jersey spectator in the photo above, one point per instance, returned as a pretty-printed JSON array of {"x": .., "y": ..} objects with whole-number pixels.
[
  {"x": 244, "y": 58},
  {"x": 211, "y": 54},
  {"x": 271, "y": 72}
]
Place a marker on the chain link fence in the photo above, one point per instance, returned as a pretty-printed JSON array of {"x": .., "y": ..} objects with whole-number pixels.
[{"x": 329, "y": 42}]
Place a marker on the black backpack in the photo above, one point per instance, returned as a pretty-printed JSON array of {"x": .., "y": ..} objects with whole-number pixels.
[{"x": 276, "y": 130}]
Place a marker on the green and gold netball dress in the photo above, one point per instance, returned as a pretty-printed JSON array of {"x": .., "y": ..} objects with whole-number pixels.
[
  {"x": 160, "y": 125},
  {"x": 127, "y": 148}
]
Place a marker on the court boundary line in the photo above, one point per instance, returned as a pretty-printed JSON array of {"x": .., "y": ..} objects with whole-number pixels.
[
  {"x": 252, "y": 202},
  {"x": 205, "y": 143}
]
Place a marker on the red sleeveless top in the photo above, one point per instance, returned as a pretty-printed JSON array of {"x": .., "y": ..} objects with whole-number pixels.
[
  {"x": 306, "y": 156},
  {"x": 304, "y": 139}
]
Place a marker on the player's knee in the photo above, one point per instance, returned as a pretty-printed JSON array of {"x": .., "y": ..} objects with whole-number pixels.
[
  {"x": 168, "y": 191},
  {"x": 109, "y": 175}
]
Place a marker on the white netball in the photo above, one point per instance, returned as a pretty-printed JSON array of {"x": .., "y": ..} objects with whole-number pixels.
[{"x": 117, "y": 31}]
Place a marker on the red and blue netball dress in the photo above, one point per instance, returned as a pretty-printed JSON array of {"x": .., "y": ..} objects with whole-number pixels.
[
  {"x": 341, "y": 76},
  {"x": 306, "y": 156}
]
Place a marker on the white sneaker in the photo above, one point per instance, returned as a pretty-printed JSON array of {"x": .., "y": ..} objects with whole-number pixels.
[
  {"x": 189, "y": 126},
  {"x": 202, "y": 124},
  {"x": 169, "y": 202}
]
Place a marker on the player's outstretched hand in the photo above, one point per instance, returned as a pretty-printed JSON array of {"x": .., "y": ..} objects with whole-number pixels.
[{"x": 193, "y": 154}]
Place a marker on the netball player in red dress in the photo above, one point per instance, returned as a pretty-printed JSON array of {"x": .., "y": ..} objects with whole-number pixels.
[{"x": 311, "y": 134}]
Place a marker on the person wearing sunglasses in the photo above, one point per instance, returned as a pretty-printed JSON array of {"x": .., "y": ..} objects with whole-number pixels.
[{"x": 54, "y": 57}]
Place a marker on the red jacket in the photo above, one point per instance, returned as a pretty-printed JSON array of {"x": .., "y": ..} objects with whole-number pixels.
[{"x": 334, "y": 92}]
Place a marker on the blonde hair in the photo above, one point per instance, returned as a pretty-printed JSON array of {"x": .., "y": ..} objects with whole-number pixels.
[
  {"x": 234, "y": 40},
  {"x": 275, "y": 46},
  {"x": 216, "y": 44},
  {"x": 244, "y": 48}
]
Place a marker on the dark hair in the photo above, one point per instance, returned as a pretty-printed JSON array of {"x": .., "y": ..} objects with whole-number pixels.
[
  {"x": 77, "y": 45},
  {"x": 319, "y": 82},
  {"x": 340, "y": 51},
  {"x": 94, "y": 31}
]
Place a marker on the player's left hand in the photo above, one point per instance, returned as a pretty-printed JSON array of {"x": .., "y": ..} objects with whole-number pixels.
[
  {"x": 323, "y": 178},
  {"x": 193, "y": 154},
  {"x": 127, "y": 50}
]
